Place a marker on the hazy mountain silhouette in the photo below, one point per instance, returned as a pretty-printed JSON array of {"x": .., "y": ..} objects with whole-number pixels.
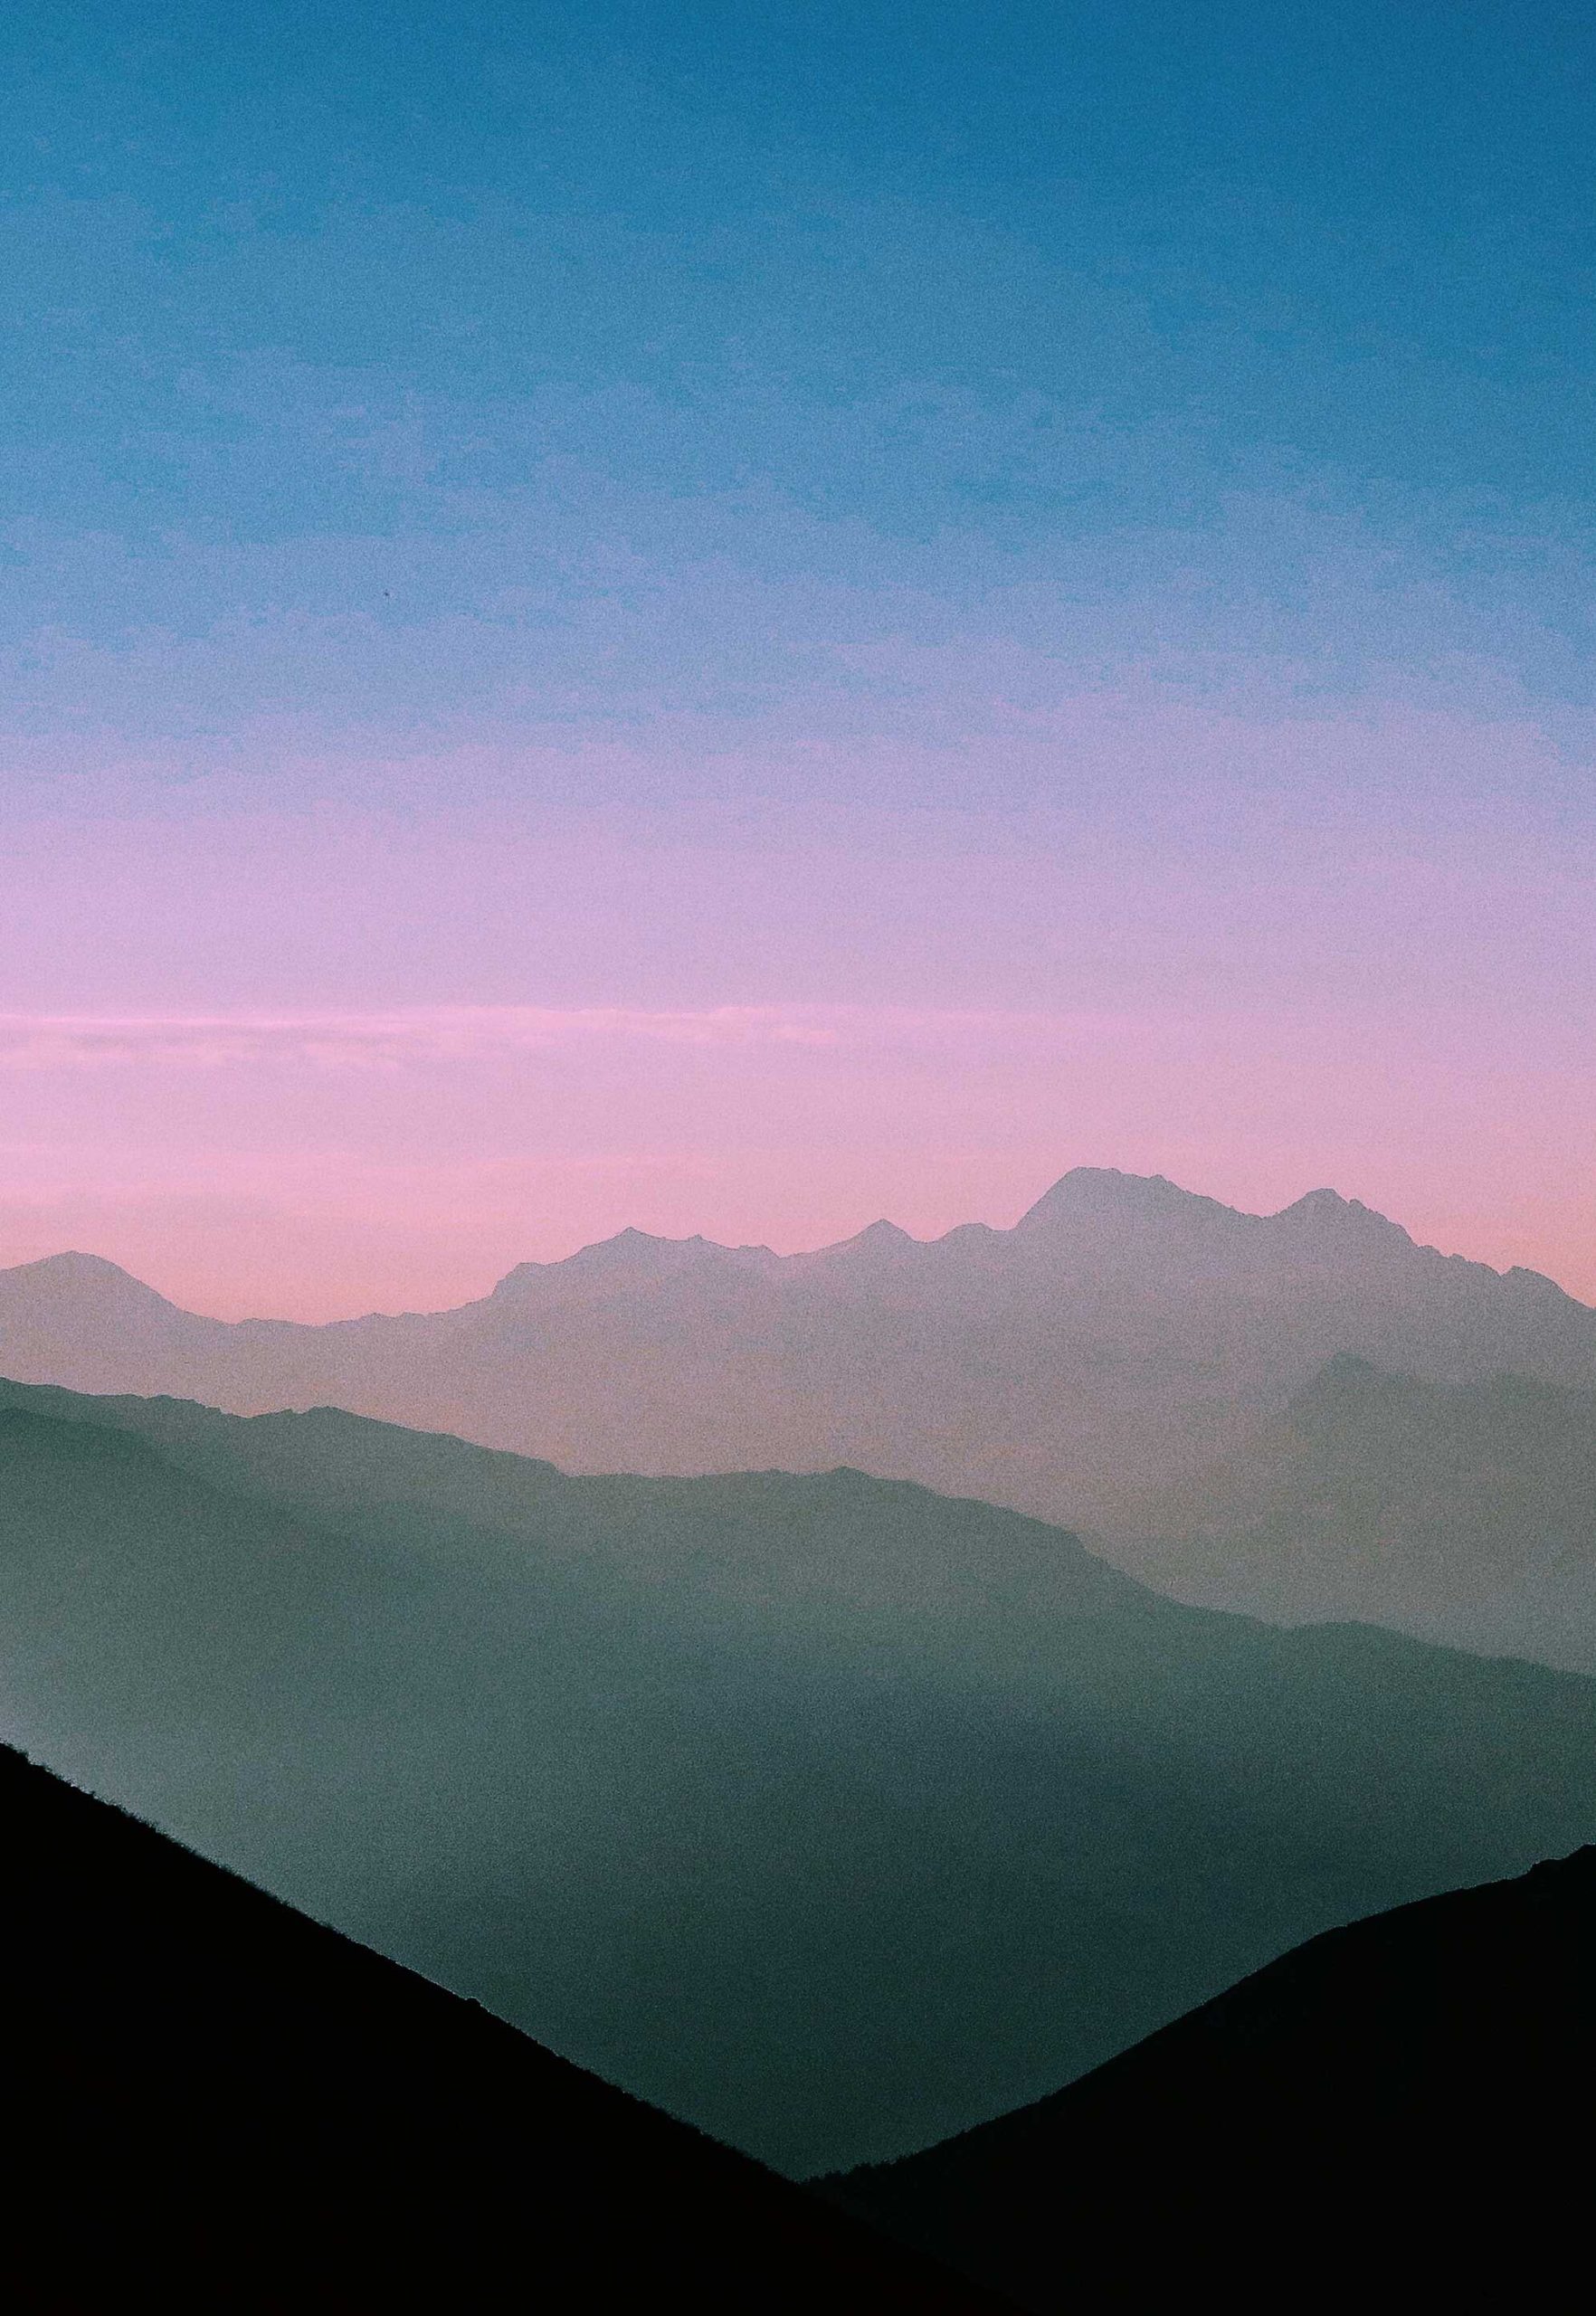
[
  {"x": 213, "y": 2102},
  {"x": 1397, "y": 2114},
  {"x": 829, "y": 1813},
  {"x": 1122, "y": 1333},
  {"x": 1465, "y": 1514}
]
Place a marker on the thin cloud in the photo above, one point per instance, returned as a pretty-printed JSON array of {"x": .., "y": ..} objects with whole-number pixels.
[
  {"x": 419, "y": 1036},
  {"x": 386, "y": 1038}
]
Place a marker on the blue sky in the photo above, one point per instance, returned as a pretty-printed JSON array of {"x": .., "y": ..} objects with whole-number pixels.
[
  {"x": 700, "y": 507},
  {"x": 382, "y": 367}
]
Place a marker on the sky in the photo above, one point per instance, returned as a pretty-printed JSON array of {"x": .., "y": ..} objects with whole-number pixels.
[{"x": 738, "y": 618}]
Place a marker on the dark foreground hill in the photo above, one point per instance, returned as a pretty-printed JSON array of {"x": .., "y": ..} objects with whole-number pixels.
[
  {"x": 1395, "y": 2116},
  {"x": 1123, "y": 1334},
  {"x": 830, "y": 1814},
  {"x": 212, "y": 2102},
  {"x": 1465, "y": 1514}
]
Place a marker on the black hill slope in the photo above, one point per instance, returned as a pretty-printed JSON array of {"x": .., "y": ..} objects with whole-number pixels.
[
  {"x": 213, "y": 2102},
  {"x": 830, "y": 1814},
  {"x": 1395, "y": 2115}
]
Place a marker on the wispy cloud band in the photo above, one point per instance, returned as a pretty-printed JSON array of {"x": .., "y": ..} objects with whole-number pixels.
[{"x": 385, "y": 1039}]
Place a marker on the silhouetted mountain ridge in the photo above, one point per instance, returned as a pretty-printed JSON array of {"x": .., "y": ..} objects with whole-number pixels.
[
  {"x": 1091, "y": 1192},
  {"x": 1395, "y": 2115},
  {"x": 213, "y": 2102}
]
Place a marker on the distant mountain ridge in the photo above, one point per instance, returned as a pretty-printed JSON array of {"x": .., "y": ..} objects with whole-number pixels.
[
  {"x": 1124, "y": 1333},
  {"x": 1463, "y": 1512}
]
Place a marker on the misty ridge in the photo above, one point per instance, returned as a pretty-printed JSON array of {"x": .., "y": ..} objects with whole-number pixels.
[
  {"x": 827, "y": 1813},
  {"x": 1462, "y": 1513},
  {"x": 1122, "y": 1336},
  {"x": 832, "y": 1800},
  {"x": 1304, "y": 1416}
]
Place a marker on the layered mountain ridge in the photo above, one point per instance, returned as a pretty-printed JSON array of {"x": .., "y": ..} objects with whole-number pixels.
[
  {"x": 1124, "y": 1335},
  {"x": 1463, "y": 1512},
  {"x": 829, "y": 1813}
]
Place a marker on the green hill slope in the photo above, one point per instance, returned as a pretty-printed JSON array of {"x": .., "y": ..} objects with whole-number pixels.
[{"x": 830, "y": 1814}]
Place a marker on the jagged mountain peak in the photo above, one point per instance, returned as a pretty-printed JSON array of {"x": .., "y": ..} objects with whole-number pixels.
[
  {"x": 881, "y": 1237},
  {"x": 629, "y": 1253},
  {"x": 1104, "y": 1191},
  {"x": 630, "y": 1246},
  {"x": 1326, "y": 1213}
]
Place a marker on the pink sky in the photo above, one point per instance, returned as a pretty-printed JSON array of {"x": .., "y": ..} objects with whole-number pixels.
[
  {"x": 747, "y": 637},
  {"x": 319, "y": 1163},
  {"x": 319, "y": 1061}
]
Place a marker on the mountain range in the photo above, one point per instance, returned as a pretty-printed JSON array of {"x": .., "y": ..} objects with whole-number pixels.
[
  {"x": 828, "y": 1813},
  {"x": 214, "y": 2103},
  {"x": 1396, "y": 2114},
  {"x": 1462, "y": 1513},
  {"x": 1124, "y": 1336}
]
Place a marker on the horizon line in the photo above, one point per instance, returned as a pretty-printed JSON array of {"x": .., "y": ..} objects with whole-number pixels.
[{"x": 1328, "y": 1199}]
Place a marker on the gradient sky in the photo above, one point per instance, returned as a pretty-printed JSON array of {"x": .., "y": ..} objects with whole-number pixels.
[{"x": 736, "y": 617}]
